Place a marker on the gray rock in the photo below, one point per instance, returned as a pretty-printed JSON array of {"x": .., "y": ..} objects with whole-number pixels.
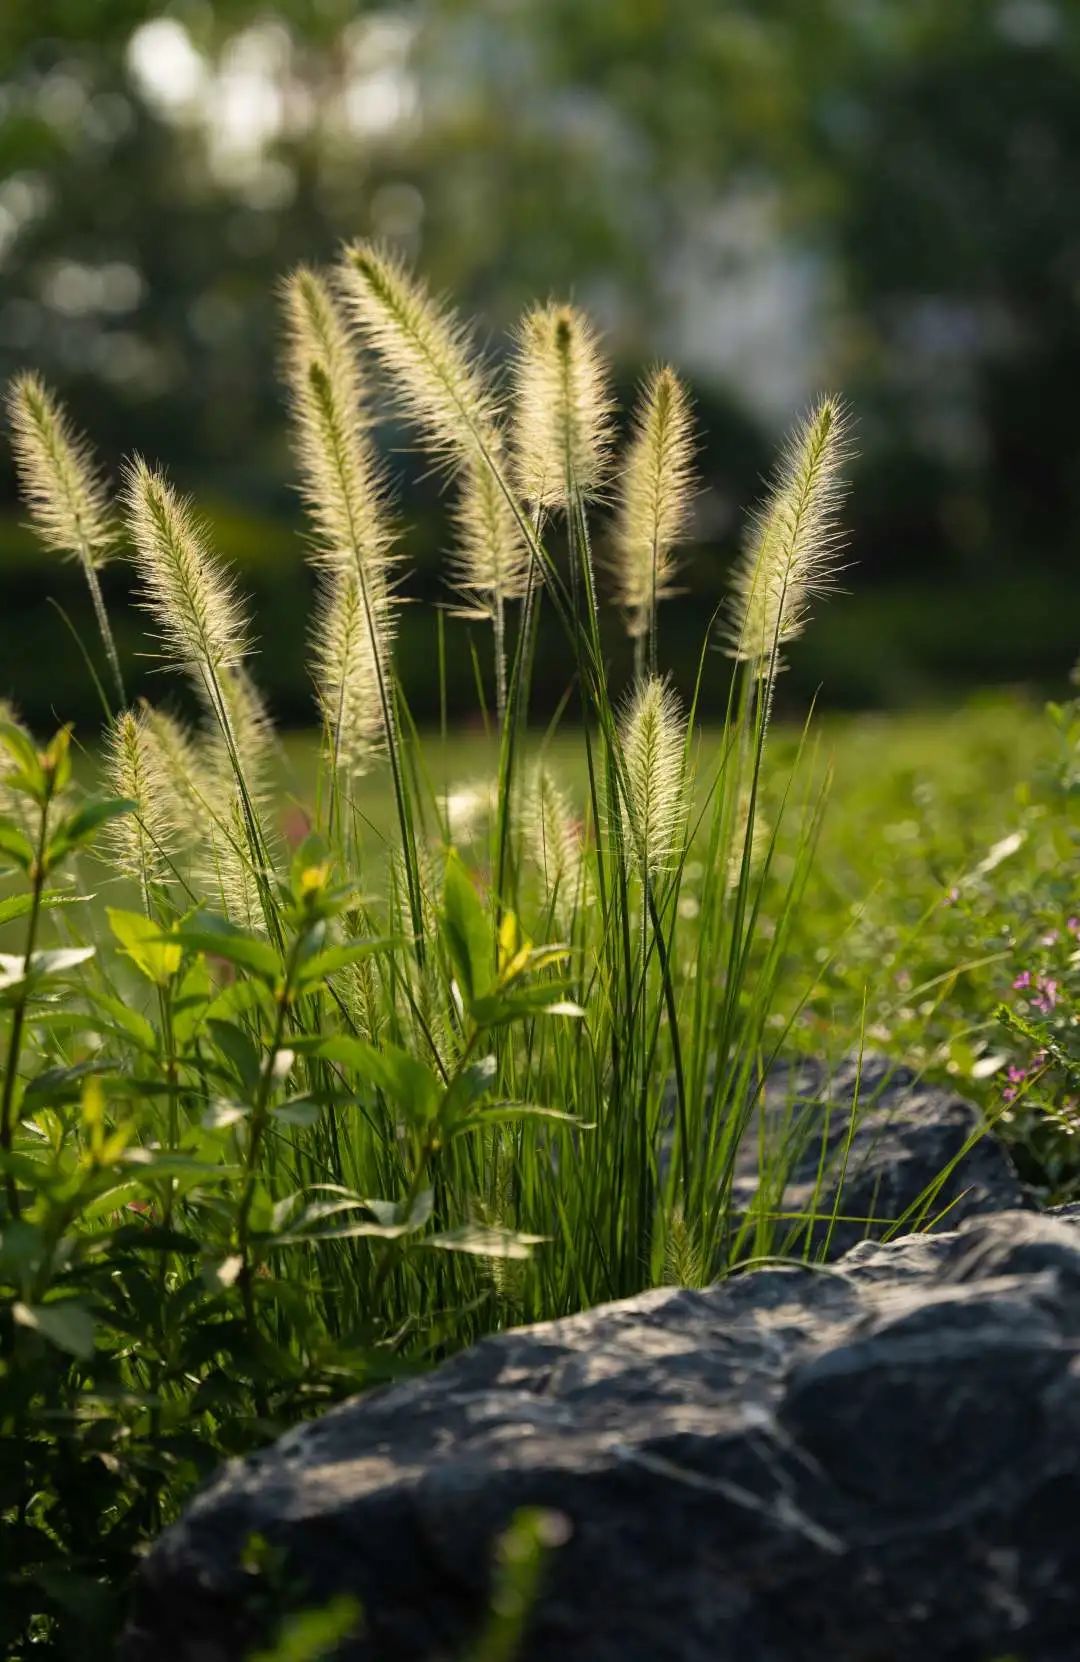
[
  {"x": 876, "y": 1176},
  {"x": 876, "y": 1461}
]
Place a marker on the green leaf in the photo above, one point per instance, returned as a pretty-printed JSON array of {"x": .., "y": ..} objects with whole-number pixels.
[
  {"x": 152, "y": 1164},
  {"x": 337, "y": 958},
  {"x": 15, "y": 844},
  {"x": 129, "y": 1023},
  {"x": 80, "y": 826},
  {"x": 142, "y": 942},
  {"x": 467, "y": 1088},
  {"x": 385, "y": 1220},
  {"x": 62, "y": 1084},
  {"x": 481, "y": 1242},
  {"x": 221, "y": 1116},
  {"x": 13, "y": 967},
  {"x": 30, "y": 776},
  {"x": 546, "y": 1000},
  {"x": 402, "y": 1078},
  {"x": 506, "y": 1112},
  {"x": 207, "y": 932},
  {"x": 65, "y": 1323},
  {"x": 466, "y": 931},
  {"x": 235, "y": 1044},
  {"x": 299, "y": 1110},
  {"x": 17, "y": 905}
]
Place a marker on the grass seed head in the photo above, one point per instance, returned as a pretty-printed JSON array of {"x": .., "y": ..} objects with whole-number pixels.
[
  {"x": 793, "y": 552},
  {"x": 562, "y": 408},
  {"x": 655, "y": 493},
  {"x": 58, "y": 475}
]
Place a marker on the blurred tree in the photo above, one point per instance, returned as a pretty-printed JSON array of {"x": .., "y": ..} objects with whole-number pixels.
[{"x": 778, "y": 193}]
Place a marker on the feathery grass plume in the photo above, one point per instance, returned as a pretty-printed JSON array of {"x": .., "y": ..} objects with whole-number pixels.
[
  {"x": 562, "y": 407},
  {"x": 795, "y": 541},
  {"x": 141, "y": 845},
  {"x": 194, "y": 778},
  {"x": 238, "y": 755},
  {"x": 181, "y": 773},
  {"x": 64, "y": 491},
  {"x": 655, "y": 492},
  {"x": 354, "y": 622},
  {"x": 342, "y": 488},
  {"x": 227, "y": 871},
  {"x": 347, "y": 673},
  {"x": 425, "y": 348},
  {"x": 553, "y": 838},
  {"x": 199, "y": 618},
  {"x": 653, "y": 735},
  {"x": 58, "y": 475},
  {"x": 684, "y": 1264},
  {"x": 468, "y": 808},
  {"x": 490, "y": 565}
]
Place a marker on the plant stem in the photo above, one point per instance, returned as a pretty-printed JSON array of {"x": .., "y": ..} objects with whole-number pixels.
[{"x": 7, "y": 1118}]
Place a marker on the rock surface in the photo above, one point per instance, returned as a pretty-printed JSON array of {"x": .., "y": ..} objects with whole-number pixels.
[
  {"x": 876, "y": 1461},
  {"x": 907, "y": 1135}
]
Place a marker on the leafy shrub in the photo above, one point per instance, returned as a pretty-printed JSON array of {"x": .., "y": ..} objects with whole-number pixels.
[{"x": 281, "y": 1121}]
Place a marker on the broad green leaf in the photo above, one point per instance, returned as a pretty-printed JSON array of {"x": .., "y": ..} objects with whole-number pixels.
[
  {"x": 62, "y": 1084},
  {"x": 19, "y": 745},
  {"x": 13, "y": 967},
  {"x": 481, "y": 1242},
  {"x": 221, "y": 1116},
  {"x": 81, "y": 825},
  {"x": 405, "y": 1080},
  {"x": 130, "y": 1023},
  {"x": 235, "y": 1044},
  {"x": 467, "y": 1088},
  {"x": 506, "y": 1112},
  {"x": 545, "y": 1000},
  {"x": 207, "y": 932},
  {"x": 15, "y": 844},
  {"x": 336, "y": 958},
  {"x": 64, "y": 1323},
  {"x": 300, "y": 1110},
  {"x": 17, "y": 905},
  {"x": 153, "y": 1163},
  {"x": 142, "y": 942},
  {"x": 466, "y": 930}
]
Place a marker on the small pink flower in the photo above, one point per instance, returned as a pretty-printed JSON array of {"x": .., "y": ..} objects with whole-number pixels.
[
  {"x": 1046, "y": 995},
  {"x": 1009, "y": 1093},
  {"x": 1073, "y": 926},
  {"x": 1022, "y": 980},
  {"x": 1051, "y": 938},
  {"x": 1017, "y": 1073},
  {"x": 952, "y": 897}
]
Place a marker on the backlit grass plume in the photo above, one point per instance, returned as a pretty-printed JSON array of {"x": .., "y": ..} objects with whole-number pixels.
[
  {"x": 425, "y": 349},
  {"x": 653, "y": 736},
  {"x": 63, "y": 490},
  {"x": 354, "y": 624},
  {"x": 193, "y": 603},
  {"x": 490, "y": 564},
  {"x": 142, "y": 845},
  {"x": 347, "y": 673},
  {"x": 554, "y": 840},
  {"x": 793, "y": 550},
  {"x": 655, "y": 492},
  {"x": 341, "y": 484},
  {"x": 562, "y": 408}
]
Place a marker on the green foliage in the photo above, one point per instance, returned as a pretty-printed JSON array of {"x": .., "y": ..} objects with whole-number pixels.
[{"x": 293, "y": 1114}]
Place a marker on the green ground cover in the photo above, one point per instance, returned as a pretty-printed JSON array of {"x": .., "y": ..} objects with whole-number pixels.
[{"x": 324, "y": 1057}]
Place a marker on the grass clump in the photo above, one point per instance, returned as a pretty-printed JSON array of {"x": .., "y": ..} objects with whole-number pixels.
[{"x": 279, "y": 1121}]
